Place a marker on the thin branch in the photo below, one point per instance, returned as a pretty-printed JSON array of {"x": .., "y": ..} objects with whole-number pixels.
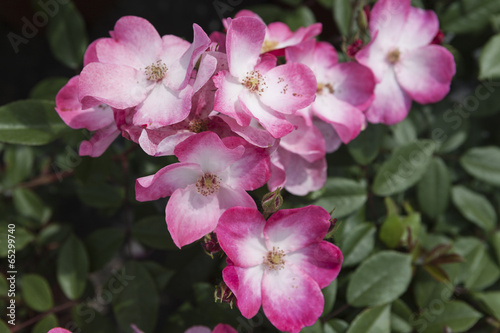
[
  {"x": 36, "y": 319},
  {"x": 46, "y": 179}
]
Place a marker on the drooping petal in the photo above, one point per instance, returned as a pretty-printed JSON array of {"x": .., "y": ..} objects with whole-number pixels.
[
  {"x": 316, "y": 55},
  {"x": 388, "y": 18},
  {"x": 251, "y": 171},
  {"x": 353, "y": 83},
  {"x": 345, "y": 118},
  {"x": 332, "y": 139},
  {"x": 168, "y": 179},
  {"x": 163, "y": 106},
  {"x": 274, "y": 122},
  {"x": 321, "y": 261},
  {"x": 306, "y": 141},
  {"x": 240, "y": 234},
  {"x": 226, "y": 97},
  {"x": 246, "y": 284},
  {"x": 138, "y": 35},
  {"x": 207, "y": 67},
  {"x": 207, "y": 150},
  {"x": 294, "y": 229},
  {"x": 425, "y": 73},
  {"x": 223, "y": 328},
  {"x": 70, "y": 109},
  {"x": 391, "y": 103},
  {"x": 191, "y": 215},
  {"x": 420, "y": 29},
  {"x": 291, "y": 299},
  {"x": 111, "y": 84},
  {"x": 91, "y": 53},
  {"x": 234, "y": 197},
  {"x": 244, "y": 40},
  {"x": 253, "y": 133},
  {"x": 99, "y": 142},
  {"x": 289, "y": 88},
  {"x": 167, "y": 145}
]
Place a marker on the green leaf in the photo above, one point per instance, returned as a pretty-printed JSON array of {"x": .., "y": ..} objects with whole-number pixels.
[
  {"x": 358, "y": 244},
  {"x": 400, "y": 314},
  {"x": 495, "y": 241},
  {"x": 30, "y": 122},
  {"x": 365, "y": 147},
  {"x": 53, "y": 233},
  {"x": 404, "y": 132},
  {"x": 374, "y": 320},
  {"x": 72, "y": 267},
  {"x": 18, "y": 164},
  {"x": 491, "y": 300},
  {"x": 160, "y": 274},
  {"x": 23, "y": 238},
  {"x": 404, "y": 168},
  {"x": 342, "y": 12},
  {"x": 433, "y": 190},
  {"x": 468, "y": 15},
  {"x": 330, "y": 293},
  {"x": 380, "y": 279},
  {"x": 391, "y": 231},
  {"x": 489, "y": 65},
  {"x": 67, "y": 36},
  {"x": 46, "y": 324},
  {"x": 89, "y": 320},
  {"x": 342, "y": 194},
  {"x": 100, "y": 195},
  {"x": 48, "y": 88},
  {"x": 301, "y": 17},
  {"x": 29, "y": 204},
  {"x": 474, "y": 207},
  {"x": 102, "y": 245},
  {"x": 483, "y": 163},
  {"x": 4, "y": 327},
  {"x": 152, "y": 231},
  {"x": 426, "y": 289},
  {"x": 456, "y": 315},
  {"x": 316, "y": 328},
  {"x": 336, "y": 326},
  {"x": 4, "y": 286},
  {"x": 138, "y": 302},
  {"x": 36, "y": 292}
]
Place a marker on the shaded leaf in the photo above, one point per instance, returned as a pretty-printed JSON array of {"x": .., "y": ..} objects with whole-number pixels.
[
  {"x": 36, "y": 292},
  {"x": 468, "y": 15},
  {"x": 456, "y": 315},
  {"x": 358, "y": 244},
  {"x": 489, "y": 66},
  {"x": 152, "y": 231},
  {"x": 48, "y": 88},
  {"x": 474, "y": 207},
  {"x": 46, "y": 324},
  {"x": 483, "y": 163},
  {"x": 364, "y": 148},
  {"x": 433, "y": 190},
  {"x": 342, "y": 194},
  {"x": 72, "y": 267},
  {"x": 29, "y": 204},
  {"x": 374, "y": 320},
  {"x": 102, "y": 245},
  {"x": 342, "y": 13},
  {"x": 18, "y": 164},
  {"x": 330, "y": 293},
  {"x": 491, "y": 300}
]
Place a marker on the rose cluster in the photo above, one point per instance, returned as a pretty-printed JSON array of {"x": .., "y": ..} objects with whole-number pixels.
[{"x": 257, "y": 105}]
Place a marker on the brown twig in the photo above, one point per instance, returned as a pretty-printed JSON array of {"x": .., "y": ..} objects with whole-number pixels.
[
  {"x": 35, "y": 319},
  {"x": 46, "y": 179}
]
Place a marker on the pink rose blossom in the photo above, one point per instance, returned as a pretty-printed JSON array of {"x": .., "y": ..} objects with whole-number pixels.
[
  {"x": 221, "y": 328},
  {"x": 58, "y": 330},
  {"x": 405, "y": 64},
  {"x": 281, "y": 264},
  {"x": 212, "y": 175}
]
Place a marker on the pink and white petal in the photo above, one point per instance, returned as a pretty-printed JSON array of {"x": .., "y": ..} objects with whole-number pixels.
[
  {"x": 266, "y": 63},
  {"x": 111, "y": 84},
  {"x": 289, "y": 88},
  {"x": 278, "y": 175},
  {"x": 91, "y": 53},
  {"x": 321, "y": 261},
  {"x": 208, "y": 151},
  {"x": 353, "y": 83},
  {"x": 244, "y": 40},
  {"x": 291, "y": 299},
  {"x": 306, "y": 141},
  {"x": 219, "y": 39},
  {"x": 253, "y": 134},
  {"x": 325, "y": 55},
  {"x": 391, "y": 103},
  {"x": 70, "y": 110},
  {"x": 332, "y": 139},
  {"x": 425, "y": 73},
  {"x": 278, "y": 31},
  {"x": 179, "y": 72},
  {"x": 420, "y": 29},
  {"x": 246, "y": 285},
  {"x": 388, "y": 18},
  {"x": 207, "y": 67},
  {"x": 198, "y": 329},
  {"x": 173, "y": 48},
  {"x": 294, "y": 229},
  {"x": 240, "y": 235},
  {"x": 191, "y": 215},
  {"x": 274, "y": 122},
  {"x": 139, "y": 35},
  {"x": 111, "y": 51},
  {"x": 226, "y": 97},
  {"x": 58, "y": 330},
  {"x": 167, "y": 180},
  {"x": 163, "y": 107},
  {"x": 374, "y": 56},
  {"x": 345, "y": 118},
  {"x": 303, "y": 177},
  {"x": 234, "y": 197},
  {"x": 223, "y": 328},
  {"x": 167, "y": 146},
  {"x": 252, "y": 170},
  {"x": 99, "y": 142},
  {"x": 301, "y": 34},
  {"x": 303, "y": 53}
]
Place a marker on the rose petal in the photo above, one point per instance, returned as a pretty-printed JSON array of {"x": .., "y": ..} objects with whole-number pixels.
[{"x": 245, "y": 283}]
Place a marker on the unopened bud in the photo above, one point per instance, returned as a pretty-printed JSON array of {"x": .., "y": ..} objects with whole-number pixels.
[
  {"x": 223, "y": 294},
  {"x": 210, "y": 244},
  {"x": 354, "y": 48},
  {"x": 333, "y": 222},
  {"x": 272, "y": 202},
  {"x": 439, "y": 38}
]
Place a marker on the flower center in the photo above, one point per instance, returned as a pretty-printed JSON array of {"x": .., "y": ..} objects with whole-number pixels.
[
  {"x": 208, "y": 184},
  {"x": 156, "y": 71},
  {"x": 268, "y": 45},
  {"x": 254, "y": 81},
  {"x": 393, "y": 56},
  {"x": 198, "y": 126},
  {"x": 321, "y": 86},
  {"x": 274, "y": 259}
]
